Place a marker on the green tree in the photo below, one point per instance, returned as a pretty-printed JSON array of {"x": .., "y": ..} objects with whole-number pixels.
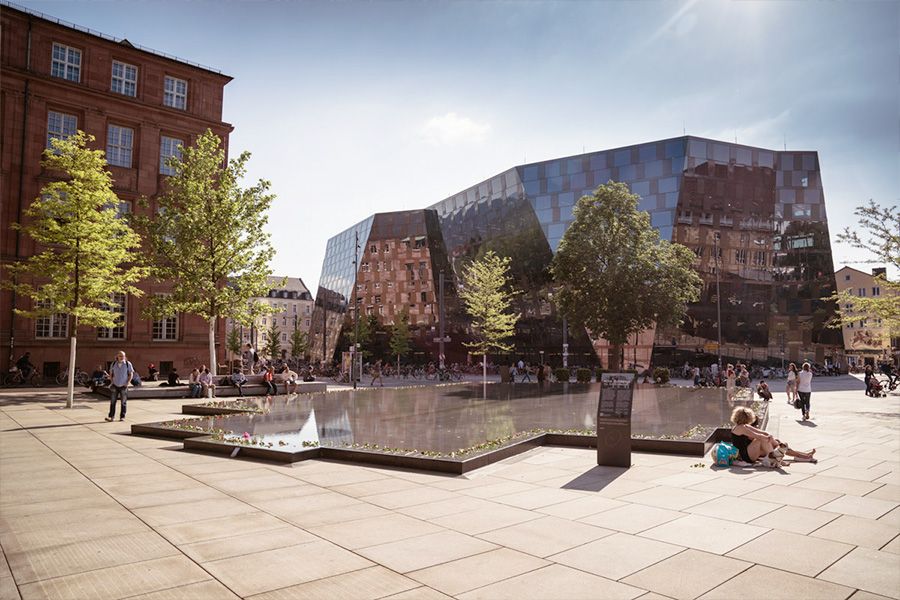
[
  {"x": 87, "y": 252},
  {"x": 487, "y": 297},
  {"x": 272, "y": 346},
  {"x": 299, "y": 343},
  {"x": 400, "y": 337},
  {"x": 615, "y": 276},
  {"x": 878, "y": 232},
  {"x": 209, "y": 236},
  {"x": 233, "y": 341}
]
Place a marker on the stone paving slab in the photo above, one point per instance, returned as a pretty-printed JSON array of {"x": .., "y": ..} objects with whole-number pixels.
[{"x": 87, "y": 511}]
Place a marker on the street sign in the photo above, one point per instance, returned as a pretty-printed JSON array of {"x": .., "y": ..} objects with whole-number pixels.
[
  {"x": 437, "y": 340},
  {"x": 614, "y": 419}
]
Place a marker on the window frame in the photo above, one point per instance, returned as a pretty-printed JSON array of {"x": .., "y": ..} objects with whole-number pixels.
[
  {"x": 57, "y": 324},
  {"x": 109, "y": 333},
  {"x": 164, "y": 324},
  {"x": 171, "y": 96},
  {"x": 165, "y": 169},
  {"x": 60, "y": 134},
  {"x": 121, "y": 150},
  {"x": 62, "y": 68},
  {"x": 121, "y": 82}
]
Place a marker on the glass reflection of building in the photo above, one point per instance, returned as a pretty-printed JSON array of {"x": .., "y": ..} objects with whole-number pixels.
[{"x": 766, "y": 206}]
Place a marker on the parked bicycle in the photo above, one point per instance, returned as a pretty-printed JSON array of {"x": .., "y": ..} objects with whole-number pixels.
[
  {"x": 81, "y": 377},
  {"x": 16, "y": 377}
]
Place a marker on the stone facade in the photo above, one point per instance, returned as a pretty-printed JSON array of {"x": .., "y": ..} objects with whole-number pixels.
[{"x": 57, "y": 77}]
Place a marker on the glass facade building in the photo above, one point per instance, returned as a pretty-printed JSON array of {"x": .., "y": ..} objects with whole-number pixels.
[{"x": 762, "y": 211}]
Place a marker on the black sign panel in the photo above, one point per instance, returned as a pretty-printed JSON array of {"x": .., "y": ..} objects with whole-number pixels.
[{"x": 614, "y": 419}]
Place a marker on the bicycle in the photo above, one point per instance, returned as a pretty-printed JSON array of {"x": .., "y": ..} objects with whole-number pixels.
[
  {"x": 81, "y": 377},
  {"x": 341, "y": 377},
  {"x": 15, "y": 377}
]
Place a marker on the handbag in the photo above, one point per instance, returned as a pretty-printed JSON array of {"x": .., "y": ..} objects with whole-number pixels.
[{"x": 797, "y": 403}]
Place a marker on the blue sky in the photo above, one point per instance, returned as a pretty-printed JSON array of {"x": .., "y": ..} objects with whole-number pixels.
[{"x": 351, "y": 108}]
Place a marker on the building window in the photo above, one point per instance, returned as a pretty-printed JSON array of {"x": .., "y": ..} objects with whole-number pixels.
[
  {"x": 165, "y": 329},
  {"x": 283, "y": 337},
  {"x": 116, "y": 305},
  {"x": 66, "y": 63},
  {"x": 60, "y": 126},
  {"x": 740, "y": 256},
  {"x": 373, "y": 249},
  {"x": 264, "y": 320},
  {"x": 307, "y": 322},
  {"x": 424, "y": 296},
  {"x": 846, "y": 278},
  {"x": 175, "y": 93},
  {"x": 168, "y": 147},
  {"x": 295, "y": 309},
  {"x": 124, "y": 79},
  {"x": 876, "y": 291},
  {"x": 119, "y": 141},
  {"x": 50, "y": 326},
  {"x": 862, "y": 292}
]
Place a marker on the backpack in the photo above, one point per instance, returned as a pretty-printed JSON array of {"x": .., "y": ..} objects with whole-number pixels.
[{"x": 723, "y": 454}]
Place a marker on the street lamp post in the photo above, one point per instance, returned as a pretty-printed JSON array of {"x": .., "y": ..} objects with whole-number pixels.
[
  {"x": 355, "y": 309},
  {"x": 716, "y": 236},
  {"x": 441, "y": 317}
]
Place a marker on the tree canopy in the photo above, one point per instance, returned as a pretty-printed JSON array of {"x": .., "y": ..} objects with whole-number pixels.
[
  {"x": 878, "y": 233},
  {"x": 487, "y": 296},
  {"x": 615, "y": 276},
  {"x": 209, "y": 236},
  {"x": 400, "y": 336},
  {"x": 86, "y": 251}
]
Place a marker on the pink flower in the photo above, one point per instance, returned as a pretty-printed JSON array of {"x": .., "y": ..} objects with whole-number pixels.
[{"x": 246, "y": 436}]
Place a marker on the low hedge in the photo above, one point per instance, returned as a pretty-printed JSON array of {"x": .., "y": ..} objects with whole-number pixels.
[
  {"x": 561, "y": 374},
  {"x": 583, "y": 375}
]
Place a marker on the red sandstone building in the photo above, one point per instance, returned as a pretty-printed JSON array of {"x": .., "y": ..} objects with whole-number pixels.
[{"x": 140, "y": 105}]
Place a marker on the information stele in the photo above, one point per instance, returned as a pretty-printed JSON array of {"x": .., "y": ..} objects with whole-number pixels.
[{"x": 614, "y": 419}]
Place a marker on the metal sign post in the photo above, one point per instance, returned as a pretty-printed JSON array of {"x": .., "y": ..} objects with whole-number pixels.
[{"x": 614, "y": 419}]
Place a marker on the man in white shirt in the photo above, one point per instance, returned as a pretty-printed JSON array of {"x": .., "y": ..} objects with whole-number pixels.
[{"x": 120, "y": 373}]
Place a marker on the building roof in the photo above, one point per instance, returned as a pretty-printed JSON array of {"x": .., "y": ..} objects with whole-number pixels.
[{"x": 103, "y": 36}]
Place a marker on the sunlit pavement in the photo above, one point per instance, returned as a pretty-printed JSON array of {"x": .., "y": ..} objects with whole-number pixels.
[{"x": 88, "y": 511}]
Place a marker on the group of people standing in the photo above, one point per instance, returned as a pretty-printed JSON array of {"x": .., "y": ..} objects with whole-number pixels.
[{"x": 799, "y": 387}]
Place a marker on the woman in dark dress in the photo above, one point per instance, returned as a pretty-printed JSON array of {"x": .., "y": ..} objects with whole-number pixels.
[{"x": 753, "y": 443}]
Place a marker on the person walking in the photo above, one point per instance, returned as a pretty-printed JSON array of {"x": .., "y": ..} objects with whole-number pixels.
[
  {"x": 804, "y": 389},
  {"x": 376, "y": 374},
  {"x": 730, "y": 378},
  {"x": 121, "y": 374},
  {"x": 791, "y": 387}
]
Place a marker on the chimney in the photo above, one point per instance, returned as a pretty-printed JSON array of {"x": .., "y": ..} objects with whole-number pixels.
[{"x": 876, "y": 271}]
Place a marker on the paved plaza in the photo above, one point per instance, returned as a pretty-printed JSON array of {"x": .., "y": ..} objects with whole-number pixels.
[{"x": 89, "y": 511}]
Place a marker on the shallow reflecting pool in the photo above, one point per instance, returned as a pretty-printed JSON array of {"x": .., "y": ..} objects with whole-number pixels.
[{"x": 448, "y": 418}]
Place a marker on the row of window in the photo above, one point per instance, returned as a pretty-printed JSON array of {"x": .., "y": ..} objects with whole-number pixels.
[
  {"x": 56, "y": 326},
  {"x": 861, "y": 292},
  {"x": 66, "y": 64},
  {"x": 863, "y": 323},
  {"x": 284, "y": 320},
  {"x": 119, "y": 141}
]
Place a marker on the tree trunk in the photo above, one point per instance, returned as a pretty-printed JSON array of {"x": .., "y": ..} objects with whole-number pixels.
[
  {"x": 70, "y": 395},
  {"x": 615, "y": 357},
  {"x": 212, "y": 346}
]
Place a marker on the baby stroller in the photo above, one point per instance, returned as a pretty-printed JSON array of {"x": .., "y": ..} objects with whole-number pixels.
[{"x": 876, "y": 390}]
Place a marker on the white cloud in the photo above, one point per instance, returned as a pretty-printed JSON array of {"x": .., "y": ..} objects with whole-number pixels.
[{"x": 453, "y": 129}]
